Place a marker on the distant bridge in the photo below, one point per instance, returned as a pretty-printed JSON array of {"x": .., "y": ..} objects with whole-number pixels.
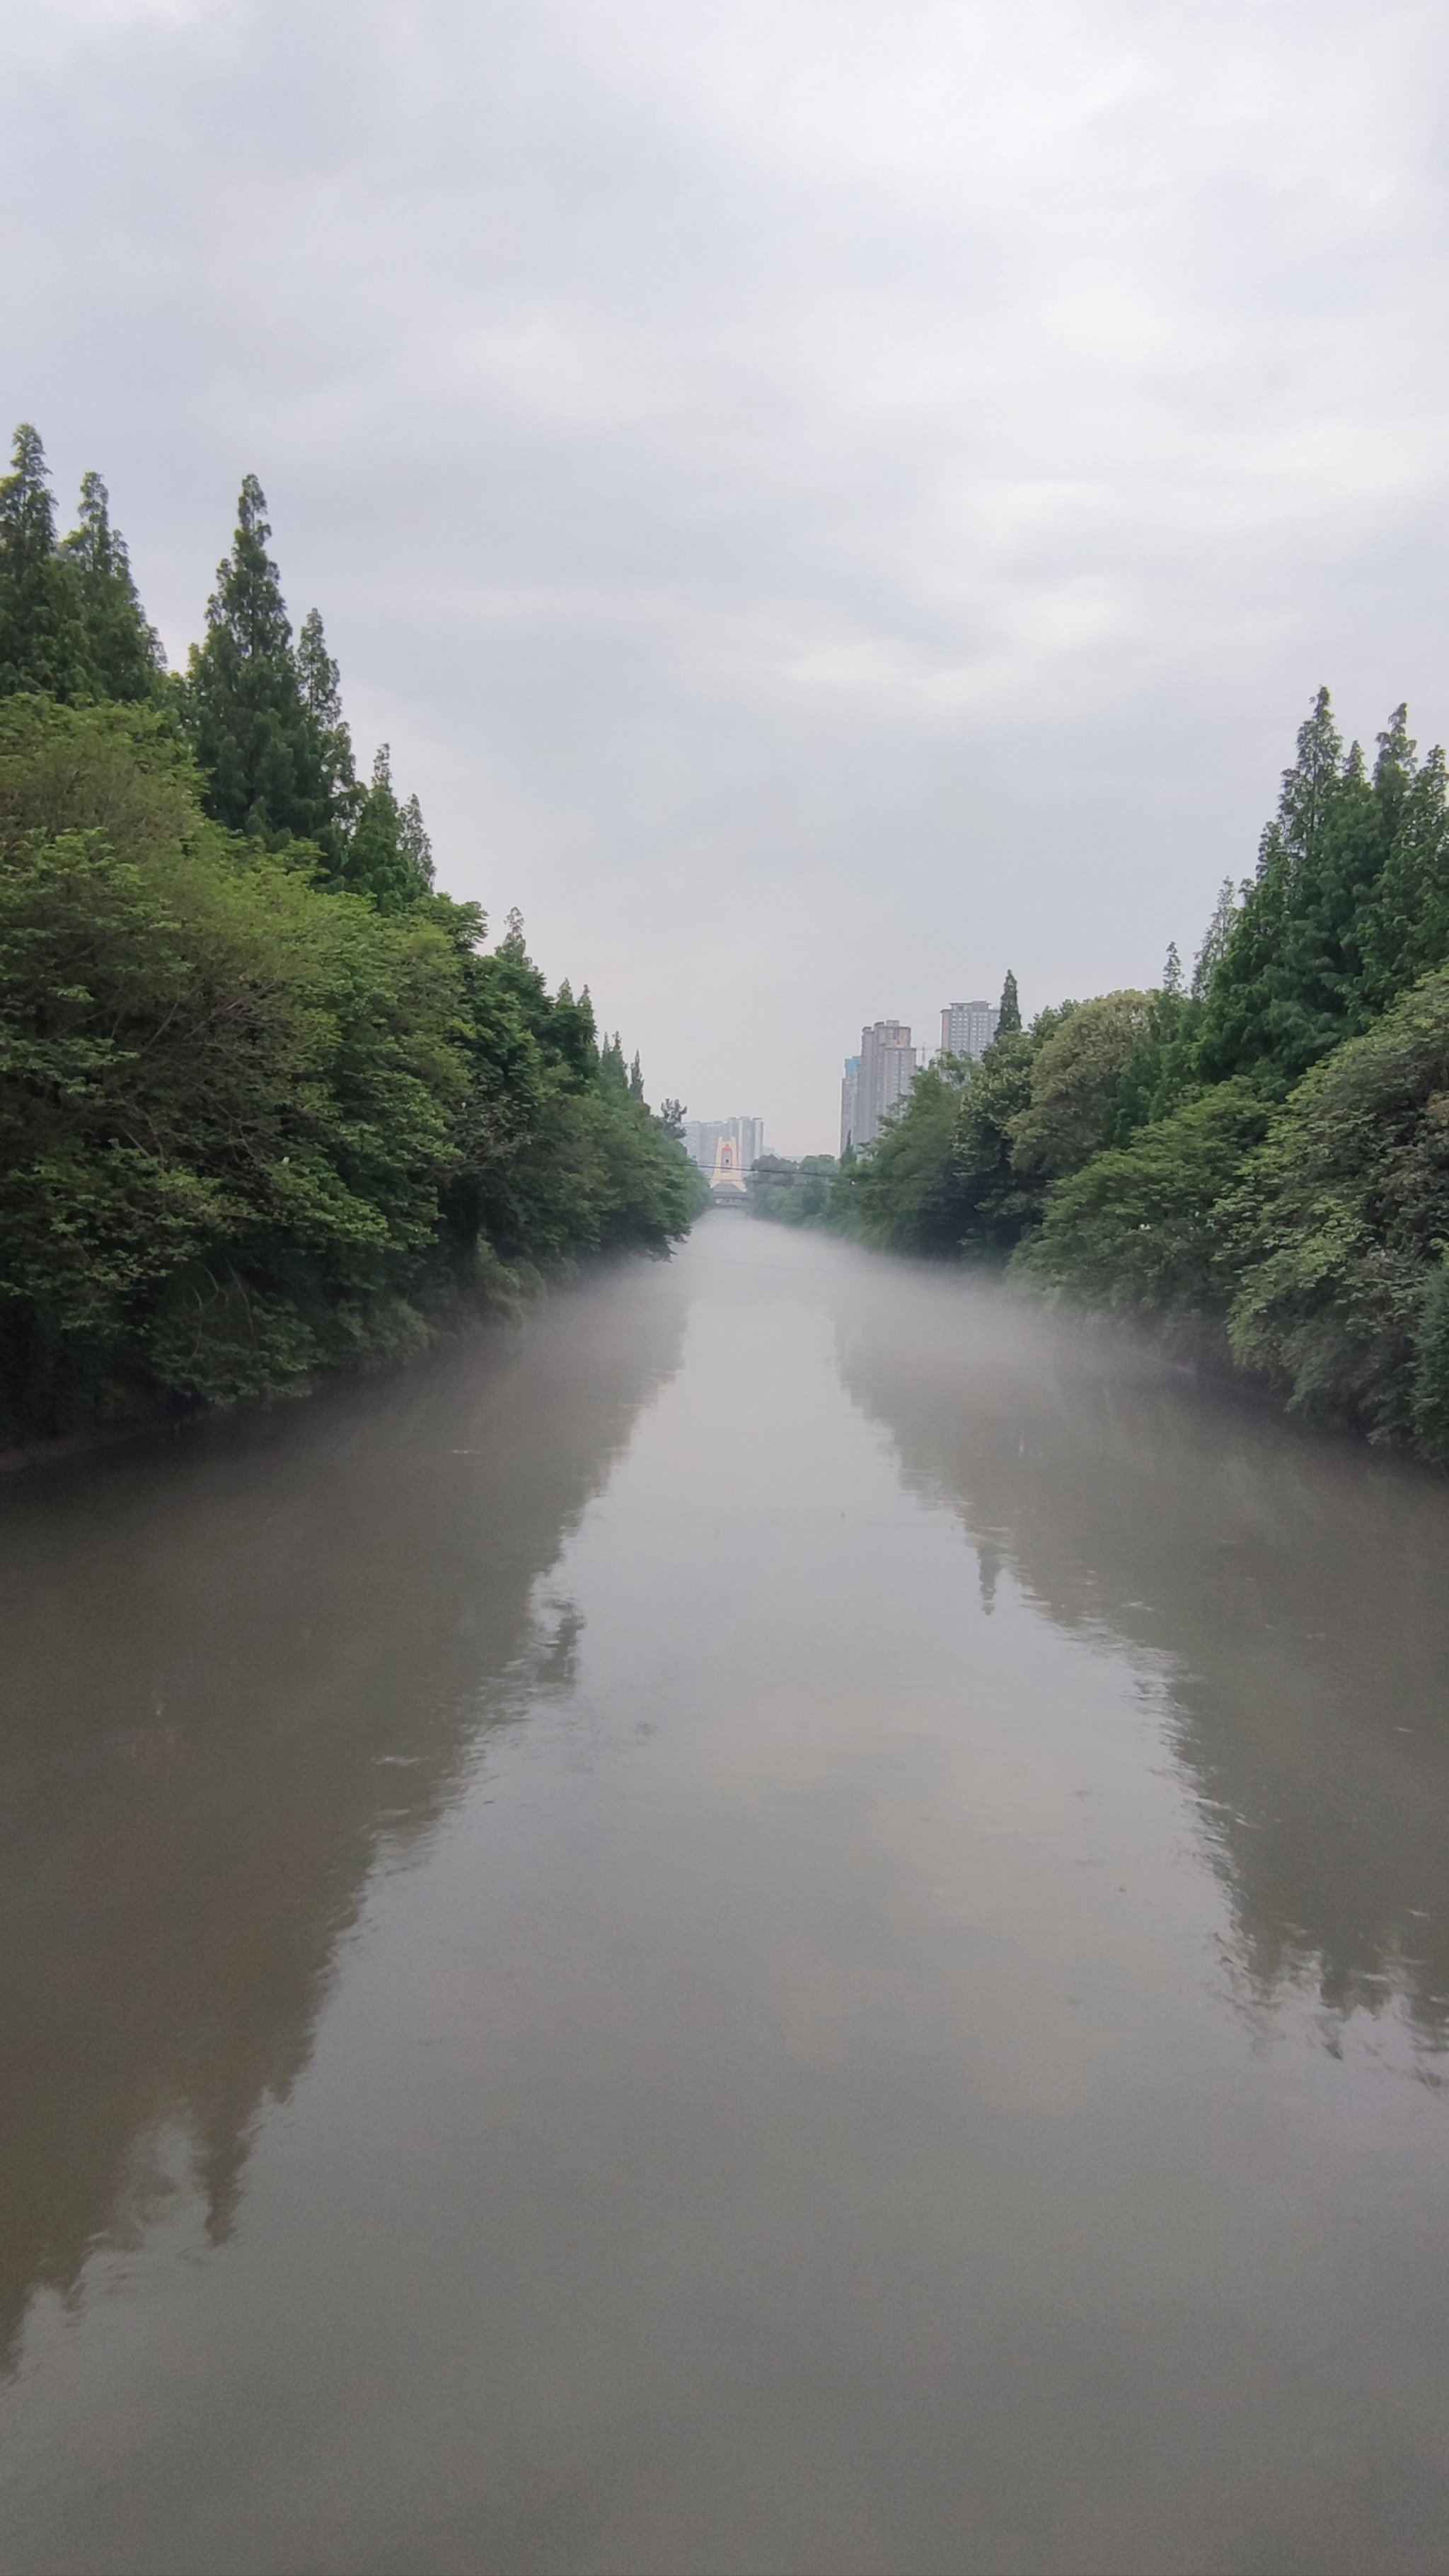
[{"x": 727, "y": 1187}]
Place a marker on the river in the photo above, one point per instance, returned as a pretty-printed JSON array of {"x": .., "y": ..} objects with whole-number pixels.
[{"x": 788, "y": 1923}]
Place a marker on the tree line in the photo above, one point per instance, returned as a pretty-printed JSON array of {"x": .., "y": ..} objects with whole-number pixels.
[
  {"x": 269, "y": 1101},
  {"x": 1252, "y": 1161}
]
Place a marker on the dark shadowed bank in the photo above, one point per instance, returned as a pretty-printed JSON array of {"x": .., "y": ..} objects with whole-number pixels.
[
  {"x": 270, "y": 1104},
  {"x": 1255, "y": 1165}
]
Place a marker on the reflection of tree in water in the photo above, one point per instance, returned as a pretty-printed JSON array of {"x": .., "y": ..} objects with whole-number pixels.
[
  {"x": 235, "y": 1669},
  {"x": 1293, "y": 1593}
]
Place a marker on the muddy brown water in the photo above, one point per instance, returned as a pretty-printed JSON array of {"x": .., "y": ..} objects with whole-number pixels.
[{"x": 790, "y": 1921}]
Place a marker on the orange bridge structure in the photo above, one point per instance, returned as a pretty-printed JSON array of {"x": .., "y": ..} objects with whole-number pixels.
[{"x": 727, "y": 1188}]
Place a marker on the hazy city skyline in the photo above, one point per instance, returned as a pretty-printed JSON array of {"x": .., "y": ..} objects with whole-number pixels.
[
  {"x": 702, "y": 1137},
  {"x": 804, "y": 491}
]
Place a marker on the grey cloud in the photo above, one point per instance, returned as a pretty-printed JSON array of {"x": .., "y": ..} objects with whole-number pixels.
[{"x": 826, "y": 500}]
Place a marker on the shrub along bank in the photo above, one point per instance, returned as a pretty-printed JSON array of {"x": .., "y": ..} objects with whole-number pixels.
[
  {"x": 269, "y": 1102},
  {"x": 1255, "y": 1165}
]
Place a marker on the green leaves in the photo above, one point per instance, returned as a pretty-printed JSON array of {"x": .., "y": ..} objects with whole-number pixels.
[
  {"x": 251, "y": 1128},
  {"x": 1350, "y": 903},
  {"x": 262, "y": 717},
  {"x": 1139, "y": 1231},
  {"x": 904, "y": 1192},
  {"x": 1342, "y": 1219},
  {"x": 805, "y": 1193},
  {"x": 1256, "y": 1166},
  {"x": 122, "y": 653},
  {"x": 42, "y": 628},
  {"x": 260, "y": 746},
  {"x": 1070, "y": 1112},
  {"x": 71, "y": 625},
  {"x": 388, "y": 855}
]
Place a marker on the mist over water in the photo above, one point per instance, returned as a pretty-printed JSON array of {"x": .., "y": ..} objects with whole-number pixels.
[
  {"x": 1283, "y": 1596},
  {"x": 793, "y": 1920}
]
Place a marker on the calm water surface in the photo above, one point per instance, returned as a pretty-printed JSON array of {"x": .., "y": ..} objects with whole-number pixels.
[{"x": 789, "y": 1922}]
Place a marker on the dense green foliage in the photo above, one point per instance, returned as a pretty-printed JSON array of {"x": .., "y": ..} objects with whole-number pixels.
[
  {"x": 70, "y": 622},
  {"x": 1255, "y": 1164},
  {"x": 268, "y": 1104},
  {"x": 260, "y": 745},
  {"x": 793, "y": 1193},
  {"x": 1350, "y": 904},
  {"x": 1137, "y": 1230},
  {"x": 1342, "y": 1223},
  {"x": 902, "y": 1191}
]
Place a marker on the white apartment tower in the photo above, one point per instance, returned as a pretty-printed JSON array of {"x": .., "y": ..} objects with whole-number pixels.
[
  {"x": 967, "y": 1028},
  {"x": 883, "y": 1073}
]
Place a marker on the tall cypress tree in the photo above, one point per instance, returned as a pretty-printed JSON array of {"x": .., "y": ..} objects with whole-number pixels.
[
  {"x": 42, "y": 632},
  {"x": 1405, "y": 929},
  {"x": 1008, "y": 1017},
  {"x": 417, "y": 848},
  {"x": 1215, "y": 940},
  {"x": 571, "y": 1031},
  {"x": 320, "y": 682},
  {"x": 388, "y": 855},
  {"x": 252, "y": 731},
  {"x": 123, "y": 653},
  {"x": 1289, "y": 984}
]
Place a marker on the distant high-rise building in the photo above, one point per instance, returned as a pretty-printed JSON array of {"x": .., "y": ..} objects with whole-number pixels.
[
  {"x": 703, "y": 1136},
  {"x": 967, "y": 1028},
  {"x": 848, "y": 1090},
  {"x": 885, "y": 1070},
  {"x": 750, "y": 1135}
]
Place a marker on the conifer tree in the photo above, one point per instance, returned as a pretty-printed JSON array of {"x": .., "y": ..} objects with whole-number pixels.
[
  {"x": 1009, "y": 1015},
  {"x": 1289, "y": 985},
  {"x": 252, "y": 731},
  {"x": 1405, "y": 931},
  {"x": 416, "y": 846},
  {"x": 373, "y": 863},
  {"x": 42, "y": 635},
  {"x": 571, "y": 1029},
  {"x": 320, "y": 683},
  {"x": 388, "y": 856},
  {"x": 1160, "y": 1071},
  {"x": 1215, "y": 939},
  {"x": 122, "y": 651}
]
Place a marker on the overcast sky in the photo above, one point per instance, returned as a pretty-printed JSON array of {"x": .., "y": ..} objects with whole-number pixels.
[{"x": 828, "y": 499}]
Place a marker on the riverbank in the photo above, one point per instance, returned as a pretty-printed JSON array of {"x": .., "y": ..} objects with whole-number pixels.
[
  {"x": 272, "y": 1105},
  {"x": 1295, "y": 1234},
  {"x": 255, "y": 1127},
  {"x": 513, "y": 1298}
]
